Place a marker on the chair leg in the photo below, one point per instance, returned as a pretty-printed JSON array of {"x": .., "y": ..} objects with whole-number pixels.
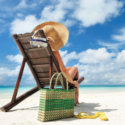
[{"x": 18, "y": 80}]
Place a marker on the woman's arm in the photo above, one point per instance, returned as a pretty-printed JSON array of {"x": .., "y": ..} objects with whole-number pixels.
[{"x": 62, "y": 66}]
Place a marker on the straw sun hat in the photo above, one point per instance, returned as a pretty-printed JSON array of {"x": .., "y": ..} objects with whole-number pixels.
[{"x": 56, "y": 32}]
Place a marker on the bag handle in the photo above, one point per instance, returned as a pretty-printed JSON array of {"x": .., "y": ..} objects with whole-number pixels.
[
  {"x": 59, "y": 74},
  {"x": 52, "y": 79}
]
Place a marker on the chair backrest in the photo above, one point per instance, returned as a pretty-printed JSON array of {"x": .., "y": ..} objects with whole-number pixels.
[{"x": 39, "y": 60}]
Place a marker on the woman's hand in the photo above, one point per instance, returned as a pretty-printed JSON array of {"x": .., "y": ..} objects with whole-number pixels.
[{"x": 76, "y": 83}]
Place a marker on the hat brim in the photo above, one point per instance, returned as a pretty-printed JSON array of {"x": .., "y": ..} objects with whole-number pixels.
[{"x": 61, "y": 29}]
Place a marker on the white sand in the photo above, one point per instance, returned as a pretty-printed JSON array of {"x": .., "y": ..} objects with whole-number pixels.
[{"x": 113, "y": 104}]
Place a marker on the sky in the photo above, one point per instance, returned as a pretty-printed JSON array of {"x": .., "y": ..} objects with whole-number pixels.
[{"x": 96, "y": 43}]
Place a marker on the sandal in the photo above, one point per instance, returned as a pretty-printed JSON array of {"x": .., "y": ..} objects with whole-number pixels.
[{"x": 101, "y": 115}]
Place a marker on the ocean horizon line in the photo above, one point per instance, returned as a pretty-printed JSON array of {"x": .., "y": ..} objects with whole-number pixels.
[
  {"x": 80, "y": 85},
  {"x": 60, "y": 86}
]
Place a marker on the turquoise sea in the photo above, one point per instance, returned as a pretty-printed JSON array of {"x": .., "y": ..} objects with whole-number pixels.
[{"x": 7, "y": 91}]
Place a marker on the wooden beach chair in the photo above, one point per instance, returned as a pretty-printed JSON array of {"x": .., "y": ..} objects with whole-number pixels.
[{"x": 42, "y": 64}]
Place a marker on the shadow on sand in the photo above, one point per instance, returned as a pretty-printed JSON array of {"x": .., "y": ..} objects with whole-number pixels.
[
  {"x": 90, "y": 108},
  {"x": 30, "y": 108}
]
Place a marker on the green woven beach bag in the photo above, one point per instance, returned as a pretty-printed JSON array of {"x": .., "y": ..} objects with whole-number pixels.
[{"x": 56, "y": 103}]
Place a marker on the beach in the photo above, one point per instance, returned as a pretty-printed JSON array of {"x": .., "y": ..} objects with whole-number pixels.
[{"x": 112, "y": 103}]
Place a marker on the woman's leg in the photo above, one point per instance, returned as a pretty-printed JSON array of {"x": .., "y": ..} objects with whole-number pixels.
[
  {"x": 68, "y": 68},
  {"x": 73, "y": 71}
]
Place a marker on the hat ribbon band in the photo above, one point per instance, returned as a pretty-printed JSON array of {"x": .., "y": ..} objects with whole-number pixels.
[{"x": 39, "y": 40}]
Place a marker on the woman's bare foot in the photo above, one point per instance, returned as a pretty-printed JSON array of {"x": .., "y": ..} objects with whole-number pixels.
[{"x": 76, "y": 99}]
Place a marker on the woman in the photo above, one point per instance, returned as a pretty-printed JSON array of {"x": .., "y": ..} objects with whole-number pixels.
[
  {"x": 71, "y": 73},
  {"x": 58, "y": 36}
]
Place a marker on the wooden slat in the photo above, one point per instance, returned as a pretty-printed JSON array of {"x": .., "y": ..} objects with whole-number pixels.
[
  {"x": 43, "y": 75},
  {"x": 47, "y": 80},
  {"x": 26, "y": 40},
  {"x": 25, "y": 35},
  {"x": 33, "y": 49},
  {"x": 40, "y": 61},
  {"x": 42, "y": 65},
  {"x": 44, "y": 79},
  {"x": 45, "y": 72},
  {"x": 26, "y": 45},
  {"x": 47, "y": 83},
  {"x": 37, "y": 54},
  {"x": 36, "y": 59}
]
